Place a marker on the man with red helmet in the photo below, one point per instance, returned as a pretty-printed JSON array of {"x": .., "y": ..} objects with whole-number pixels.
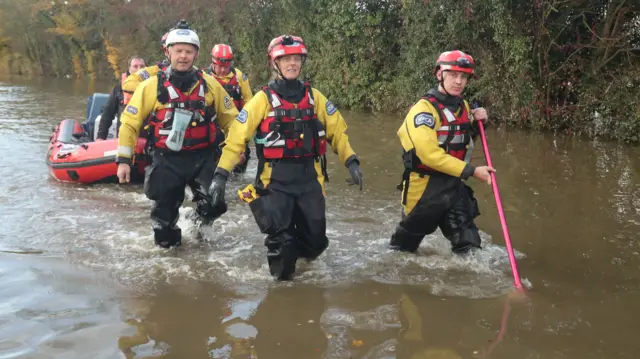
[
  {"x": 163, "y": 44},
  {"x": 436, "y": 138},
  {"x": 231, "y": 78},
  {"x": 294, "y": 122},
  {"x": 235, "y": 82}
]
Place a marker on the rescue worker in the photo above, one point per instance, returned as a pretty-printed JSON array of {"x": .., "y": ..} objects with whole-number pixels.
[
  {"x": 294, "y": 122},
  {"x": 435, "y": 136},
  {"x": 182, "y": 136},
  {"x": 118, "y": 99},
  {"x": 136, "y": 78},
  {"x": 235, "y": 82}
]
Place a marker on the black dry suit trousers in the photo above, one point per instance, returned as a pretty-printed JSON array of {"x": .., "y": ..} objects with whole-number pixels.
[
  {"x": 165, "y": 182},
  {"x": 291, "y": 212},
  {"x": 438, "y": 200}
]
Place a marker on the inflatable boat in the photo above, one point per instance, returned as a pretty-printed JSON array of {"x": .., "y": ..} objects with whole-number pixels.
[{"x": 74, "y": 155}]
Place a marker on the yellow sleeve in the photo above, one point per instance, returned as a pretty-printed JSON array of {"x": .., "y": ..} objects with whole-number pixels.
[
  {"x": 139, "y": 108},
  {"x": 132, "y": 81},
  {"x": 334, "y": 124},
  {"x": 243, "y": 129},
  {"x": 245, "y": 88},
  {"x": 219, "y": 99},
  {"x": 419, "y": 131}
]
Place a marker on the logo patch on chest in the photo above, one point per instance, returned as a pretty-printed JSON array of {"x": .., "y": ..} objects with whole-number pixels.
[{"x": 227, "y": 102}]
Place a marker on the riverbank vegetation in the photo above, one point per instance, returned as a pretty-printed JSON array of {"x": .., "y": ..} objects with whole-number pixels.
[{"x": 571, "y": 66}]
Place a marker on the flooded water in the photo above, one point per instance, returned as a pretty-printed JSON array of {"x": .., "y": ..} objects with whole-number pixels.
[{"x": 81, "y": 278}]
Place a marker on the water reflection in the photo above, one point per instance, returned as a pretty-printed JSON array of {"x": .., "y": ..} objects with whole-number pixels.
[
  {"x": 206, "y": 320},
  {"x": 203, "y": 320},
  {"x": 182, "y": 320}
]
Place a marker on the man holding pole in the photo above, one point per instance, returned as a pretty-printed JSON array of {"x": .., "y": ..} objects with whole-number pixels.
[{"x": 436, "y": 138}]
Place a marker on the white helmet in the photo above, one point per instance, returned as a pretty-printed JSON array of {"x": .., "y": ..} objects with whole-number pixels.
[{"x": 183, "y": 36}]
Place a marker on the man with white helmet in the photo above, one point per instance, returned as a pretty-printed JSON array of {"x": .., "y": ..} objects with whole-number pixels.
[
  {"x": 133, "y": 80},
  {"x": 182, "y": 136}
]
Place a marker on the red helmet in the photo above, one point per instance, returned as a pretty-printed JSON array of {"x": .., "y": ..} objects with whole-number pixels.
[
  {"x": 222, "y": 55},
  {"x": 164, "y": 39},
  {"x": 286, "y": 45},
  {"x": 455, "y": 60}
]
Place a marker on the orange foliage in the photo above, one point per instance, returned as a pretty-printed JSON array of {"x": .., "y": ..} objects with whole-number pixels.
[{"x": 113, "y": 57}]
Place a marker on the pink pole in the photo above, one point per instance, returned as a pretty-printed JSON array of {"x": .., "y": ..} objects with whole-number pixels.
[{"x": 512, "y": 258}]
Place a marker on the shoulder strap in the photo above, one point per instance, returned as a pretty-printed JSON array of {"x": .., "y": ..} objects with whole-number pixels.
[
  {"x": 435, "y": 103},
  {"x": 163, "y": 93},
  {"x": 309, "y": 89},
  {"x": 274, "y": 99},
  {"x": 466, "y": 107},
  {"x": 441, "y": 115},
  {"x": 202, "y": 81}
]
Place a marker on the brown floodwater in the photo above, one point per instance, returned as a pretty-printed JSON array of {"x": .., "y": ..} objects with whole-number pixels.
[{"x": 81, "y": 278}]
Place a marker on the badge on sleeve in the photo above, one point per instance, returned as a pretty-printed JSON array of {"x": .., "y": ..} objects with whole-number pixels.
[
  {"x": 424, "y": 118},
  {"x": 244, "y": 77},
  {"x": 132, "y": 110},
  {"x": 242, "y": 116},
  {"x": 227, "y": 102},
  {"x": 331, "y": 108},
  {"x": 144, "y": 74}
]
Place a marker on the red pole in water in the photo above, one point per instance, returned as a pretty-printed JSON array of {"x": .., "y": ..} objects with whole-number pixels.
[
  {"x": 506, "y": 309},
  {"x": 512, "y": 258}
]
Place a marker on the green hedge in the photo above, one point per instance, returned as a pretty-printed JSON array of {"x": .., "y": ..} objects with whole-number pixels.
[{"x": 548, "y": 65}]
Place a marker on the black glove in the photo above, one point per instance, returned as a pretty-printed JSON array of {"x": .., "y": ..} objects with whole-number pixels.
[
  {"x": 474, "y": 129},
  {"x": 218, "y": 185},
  {"x": 353, "y": 164}
]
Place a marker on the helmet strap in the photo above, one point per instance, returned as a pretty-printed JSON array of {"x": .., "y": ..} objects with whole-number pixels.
[
  {"x": 275, "y": 65},
  {"x": 441, "y": 82}
]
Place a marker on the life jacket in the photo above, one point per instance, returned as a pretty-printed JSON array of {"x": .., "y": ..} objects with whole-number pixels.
[
  {"x": 203, "y": 129},
  {"x": 291, "y": 130},
  {"x": 453, "y": 138},
  {"x": 453, "y": 135},
  {"x": 232, "y": 86},
  {"x": 126, "y": 96}
]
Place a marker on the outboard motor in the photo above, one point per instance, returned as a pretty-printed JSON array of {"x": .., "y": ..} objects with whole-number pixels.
[
  {"x": 94, "y": 108},
  {"x": 112, "y": 130}
]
